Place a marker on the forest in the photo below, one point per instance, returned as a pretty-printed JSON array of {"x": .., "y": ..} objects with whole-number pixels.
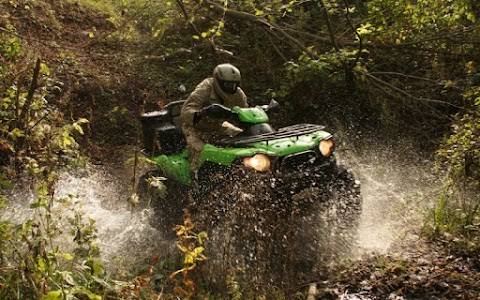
[{"x": 75, "y": 76}]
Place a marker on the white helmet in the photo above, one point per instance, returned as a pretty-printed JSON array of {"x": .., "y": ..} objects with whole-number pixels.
[{"x": 227, "y": 78}]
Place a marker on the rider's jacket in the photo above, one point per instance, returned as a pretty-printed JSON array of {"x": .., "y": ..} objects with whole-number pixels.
[{"x": 205, "y": 94}]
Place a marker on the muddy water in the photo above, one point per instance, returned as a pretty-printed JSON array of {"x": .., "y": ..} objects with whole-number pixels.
[
  {"x": 397, "y": 186},
  {"x": 394, "y": 185},
  {"x": 124, "y": 236}
]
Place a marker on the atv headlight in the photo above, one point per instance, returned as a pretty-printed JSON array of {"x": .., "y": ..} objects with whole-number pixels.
[
  {"x": 259, "y": 162},
  {"x": 326, "y": 147}
]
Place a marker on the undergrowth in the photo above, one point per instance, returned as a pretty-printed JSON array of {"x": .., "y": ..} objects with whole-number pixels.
[{"x": 457, "y": 210}]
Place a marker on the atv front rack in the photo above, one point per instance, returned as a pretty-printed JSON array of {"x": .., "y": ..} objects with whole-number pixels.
[{"x": 285, "y": 132}]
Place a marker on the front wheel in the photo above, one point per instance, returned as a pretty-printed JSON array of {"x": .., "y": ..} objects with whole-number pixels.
[{"x": 328, "y": 223}]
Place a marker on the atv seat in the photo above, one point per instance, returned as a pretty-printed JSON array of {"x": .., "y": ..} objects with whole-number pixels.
[{"x": 162, "y": 130}]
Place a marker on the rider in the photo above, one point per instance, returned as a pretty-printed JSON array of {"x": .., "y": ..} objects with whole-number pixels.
[{"x": 223, "y": 88}]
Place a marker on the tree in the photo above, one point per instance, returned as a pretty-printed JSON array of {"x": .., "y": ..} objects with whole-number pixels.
[{"x": 396, "y": 58}]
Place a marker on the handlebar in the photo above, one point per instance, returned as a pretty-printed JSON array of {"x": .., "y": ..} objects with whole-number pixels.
[
  {"x": 217, "y": 111},
  {"x": 222, "y": 112}
]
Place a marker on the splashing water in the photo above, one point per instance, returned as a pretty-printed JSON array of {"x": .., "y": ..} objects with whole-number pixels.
[
  {"x": 121, "y": 231},
  {"x": 396, "y": 185},
  {"x": 125, "y": 236}
]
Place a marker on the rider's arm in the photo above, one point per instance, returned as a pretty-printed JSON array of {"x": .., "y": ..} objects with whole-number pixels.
[
  {"x": 197, "y": 100},
  {"x": 244, "y": 102}
]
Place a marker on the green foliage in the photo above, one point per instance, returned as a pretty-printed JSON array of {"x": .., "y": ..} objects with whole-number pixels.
[
  {"x": 30, "y": 126},
  {"x": 35, "y": 137},
  {"x": 34, "y": 265},
  {"x": 412, "y": 50},
  {"x": 406, "y": 21},
  {"x": 152, "y": 17},
  {"x": 10, "y": 51},
  {"x": 458, "y": 209}
]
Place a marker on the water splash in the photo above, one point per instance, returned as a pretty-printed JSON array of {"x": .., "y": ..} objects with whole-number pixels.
[
  {"x": 125, "y": 236},
  {"x": 396, "y": 186},
  {"x": 389, "y": 179},
  {"x": 122, "y": 232}
]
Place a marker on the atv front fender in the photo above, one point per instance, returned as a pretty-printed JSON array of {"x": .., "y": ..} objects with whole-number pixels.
[{"x": 176, "y": 167}]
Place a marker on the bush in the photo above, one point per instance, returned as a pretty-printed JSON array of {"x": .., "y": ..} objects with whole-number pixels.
[{"x": 458, "y": 209}]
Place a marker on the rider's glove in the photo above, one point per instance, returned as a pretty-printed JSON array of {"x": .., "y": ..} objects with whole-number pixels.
[
  {"x": 196, "y": 117},
  {"x": 230, "y": 129},
  {"x": 204, "y": 112},
  {"x": 214, "y": 111}
]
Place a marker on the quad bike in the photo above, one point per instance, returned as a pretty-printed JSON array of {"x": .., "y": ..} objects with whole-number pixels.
[{"x": 267, "y": 190}]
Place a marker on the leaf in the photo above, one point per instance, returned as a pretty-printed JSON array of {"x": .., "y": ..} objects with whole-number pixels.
[
  {"x": 78, "y": 128},
  {"x": 448, "y": 84},
  {"x": 202, "y": 235},
  {"x": 189, "y": 259},
  {"x": 35, "y": 205},
  {"x": 4, "y": 145},
  {"x": 197, "y": 251},
  {"x": 67, "y": 141},
  {"x": 365, "y": 29},
  {"x": 44, "y": 69},
  {"x": 4, "y": 183},
  {"x": 67, "y": 276},
  {"x": 90, "y": 295},
  {"x": 41, "y": 264},
  {"x": 52, "y": 295},
  {"x": 66, "y": 256},
  {"x": 16, "y": 132}
]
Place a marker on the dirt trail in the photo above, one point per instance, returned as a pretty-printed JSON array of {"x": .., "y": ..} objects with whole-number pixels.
[{"x": 395, "y": 260}]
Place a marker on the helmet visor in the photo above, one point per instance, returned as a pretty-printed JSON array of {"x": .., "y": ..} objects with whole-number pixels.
[{"x": 229, "y": 87}]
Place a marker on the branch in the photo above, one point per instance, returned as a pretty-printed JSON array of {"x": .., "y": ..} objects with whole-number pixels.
[
  {"x": 329, "y": 26},
  {"x": 389, "y": 93},
  {"x": 185, "y": 15},
  {"x": 370, "y": 44},
  {"x": 402, "y": 75},
  {"x": 240, "y": 15},
  {"x": 360, "y": 40},
  {"x": 30, "y": 95},
  {"x": 408, "y": 95},
  {"x": 276, "y": 48}
]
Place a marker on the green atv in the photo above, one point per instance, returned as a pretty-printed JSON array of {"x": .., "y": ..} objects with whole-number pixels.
[{"x": 272, "y": 184}]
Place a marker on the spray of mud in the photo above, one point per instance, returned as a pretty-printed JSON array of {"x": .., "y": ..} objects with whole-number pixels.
[
  {"x": 124, "y": 234},
  {"x": 396, "y": 185},
  {"x": 125, "y": 237},
  {"x": 392, "y": 184}
]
